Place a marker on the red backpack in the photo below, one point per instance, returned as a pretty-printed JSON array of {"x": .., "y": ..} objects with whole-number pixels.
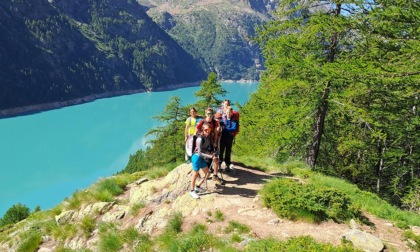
[{"x": 235, "y": 116}]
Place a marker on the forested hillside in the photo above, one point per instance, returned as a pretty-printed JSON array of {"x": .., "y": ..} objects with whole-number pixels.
[
  {"x": 341, "y": 91},
  {"x": 217, "y": 33},
  {"x": 59, "y": 50}
]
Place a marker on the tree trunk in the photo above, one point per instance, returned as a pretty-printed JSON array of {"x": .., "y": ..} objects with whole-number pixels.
[
  {"x": 323, "y": 106},
  {"x": 319, "y": 128}
]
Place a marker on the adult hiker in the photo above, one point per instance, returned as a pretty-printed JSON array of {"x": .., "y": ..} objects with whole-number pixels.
[
  {"x": 229, "y": 127},
  {"x": 190, "y": 124},
  {"x": 214, "y": 136},
  {"x": 198, "y": 161},
  {"x": 222, "y": 109},
  {"x": 214, "y": 125}
]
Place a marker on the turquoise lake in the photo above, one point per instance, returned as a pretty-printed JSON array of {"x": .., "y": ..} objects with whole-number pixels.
[{"x": 45, "y": 157}]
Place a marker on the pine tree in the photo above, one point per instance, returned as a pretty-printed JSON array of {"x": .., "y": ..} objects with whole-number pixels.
[{"x": 209, "y": 91}]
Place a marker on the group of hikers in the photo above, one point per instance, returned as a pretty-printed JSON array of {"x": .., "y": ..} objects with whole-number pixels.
[{"x": 211, "y": 140}]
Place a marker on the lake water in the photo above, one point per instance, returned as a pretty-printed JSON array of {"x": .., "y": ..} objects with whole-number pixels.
[{"x": 46, "y": 157}]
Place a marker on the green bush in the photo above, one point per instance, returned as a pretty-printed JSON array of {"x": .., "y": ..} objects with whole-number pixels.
[
  {"x": 293, "y": 200},
  {"x": 15, "y": 214}
]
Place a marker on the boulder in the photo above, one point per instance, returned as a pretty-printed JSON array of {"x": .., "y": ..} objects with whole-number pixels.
[{"x": 364, "y": 241}]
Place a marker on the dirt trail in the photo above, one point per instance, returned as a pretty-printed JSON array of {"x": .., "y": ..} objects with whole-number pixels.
[{"x": 239, "y": 200}]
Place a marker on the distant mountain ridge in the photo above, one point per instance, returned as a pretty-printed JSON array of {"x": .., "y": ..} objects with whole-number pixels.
[
  {"x": 55, "y": 53},
  {"x": 216, "y": 32},
  {"x": 59, "y": 50}
]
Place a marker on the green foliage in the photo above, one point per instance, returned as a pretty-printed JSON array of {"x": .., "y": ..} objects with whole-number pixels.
[
  {"x": 416, "y": 238},
  {"x": 218, "y": 36},
  {"x": 293, "y": 200},
  {"x": 340, "y": 96},
  {"x": 103, "y": 190},
  {"x": 87, "y": 225},
  {"x": 195, "y": 240},
  {"x": 30, "y": 242},
  {"x": 237, "y": 227},
  {"x": 110, "y": 238},
  {"x": 219, "y": 216},
  {"x": 175, "y": 223},
  {"x": 209, "y": 92},
  {"x": 296, "y": 244},
  {"x": 15, "y": 214}
]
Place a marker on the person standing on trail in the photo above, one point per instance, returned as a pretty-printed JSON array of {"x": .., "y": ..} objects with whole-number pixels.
[
  {"x": 229, "y": 124},
  {"x": 203, "y": 143},
  {"x": 222, "y": 109},
  {"x": 190, "y": 123},
  {"x": 209, "y": 119}
]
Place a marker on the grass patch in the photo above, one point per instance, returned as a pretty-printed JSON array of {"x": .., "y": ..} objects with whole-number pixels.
[
  {"x": 198, "y": 239},
  {"x": 87, "y": 225},
  {"x": 416, "y": 238},
  {"x": 219, "y": 216},
  {"x": 301, "y": 243},
  {"x": 158, "y": 172},
  {"x": 135, "y": 208},
  {"x": 175, "y": 223},
  {"x": 30, "y": 241},
  {"x": 237, "y": 227}
]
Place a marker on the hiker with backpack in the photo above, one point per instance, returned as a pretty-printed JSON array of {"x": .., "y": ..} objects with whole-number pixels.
[
  {"x": 198, "y": 159},
  {"x": 229, "y": 126},
  {"x": 214, "y": 125}
]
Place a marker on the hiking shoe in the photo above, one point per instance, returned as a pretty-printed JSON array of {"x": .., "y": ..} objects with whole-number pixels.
[
  {"x": 217, "y": 180},
  {"x": 198, "y": 189},
  {"x": 194, "y": 195}
]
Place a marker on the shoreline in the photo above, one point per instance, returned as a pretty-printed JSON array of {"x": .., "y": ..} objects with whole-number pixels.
[
  {"x": 33, "y": 109},
  {"x": 38, "y": 108}
]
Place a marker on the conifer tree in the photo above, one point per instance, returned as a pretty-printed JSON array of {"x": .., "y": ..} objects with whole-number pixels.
[
  {"x": 209, "y": 90},
  {"x": 167, "y": 144}
]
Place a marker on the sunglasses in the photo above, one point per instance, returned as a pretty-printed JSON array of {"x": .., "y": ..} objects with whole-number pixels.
[
  {"x": 207, "y": 130},
  {"x": 209, "y": 113}
]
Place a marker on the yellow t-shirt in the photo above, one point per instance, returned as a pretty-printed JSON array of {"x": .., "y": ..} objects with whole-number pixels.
[{"x": 191, "y": 122}]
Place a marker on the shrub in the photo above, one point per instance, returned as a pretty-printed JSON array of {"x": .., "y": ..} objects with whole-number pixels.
[
  {"x": 15, "y": 214},
  {"x": 292, "y": 200}
]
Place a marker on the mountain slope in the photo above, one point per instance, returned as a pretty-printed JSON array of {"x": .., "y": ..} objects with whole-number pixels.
[
  {"x": 64, "y": 50},
  {"x": 218, "y": 33},
  {"x": 148, "y": 206}
]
